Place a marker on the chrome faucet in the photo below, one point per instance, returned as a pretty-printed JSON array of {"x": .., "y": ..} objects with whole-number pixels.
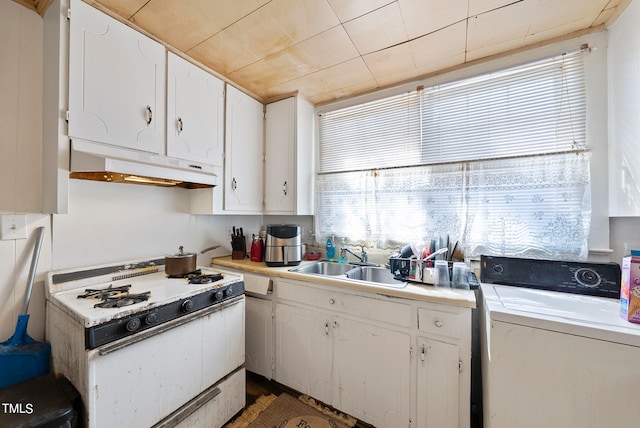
[{"x": 362, "y": 257}]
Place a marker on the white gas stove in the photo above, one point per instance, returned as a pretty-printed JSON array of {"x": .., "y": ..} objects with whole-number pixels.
[{"x": 144, "y": 349}]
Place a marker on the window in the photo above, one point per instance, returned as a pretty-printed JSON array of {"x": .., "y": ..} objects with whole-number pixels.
[{"x": 498, "y": 162}]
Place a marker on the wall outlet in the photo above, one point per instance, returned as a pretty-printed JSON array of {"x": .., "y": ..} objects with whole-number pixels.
[
  {"x": 13, "y": 226},
  {"x": 229, "y": 231}
]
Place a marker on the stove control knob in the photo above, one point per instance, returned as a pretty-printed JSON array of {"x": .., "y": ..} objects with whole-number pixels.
[
  {"x": 218, "y": 295},
  {"x": 228, "y": 291},
  {"x": 133, "y": 324},
  {"x": 151, "y": 318},
  {"x": 187, "y": 305}
]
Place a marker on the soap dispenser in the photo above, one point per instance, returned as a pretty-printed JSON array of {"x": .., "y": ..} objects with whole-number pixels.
[
  {"x": 342, "y": 258},
  {"x": 331, "y": 250}
]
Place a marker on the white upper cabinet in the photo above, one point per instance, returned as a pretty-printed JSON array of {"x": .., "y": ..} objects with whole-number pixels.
[
  {"x": 288, "y": 182},
  {"x": 195, "y": 113},
  {"x": 243, "y": 187},
  {"x": 116, "y": 82}
]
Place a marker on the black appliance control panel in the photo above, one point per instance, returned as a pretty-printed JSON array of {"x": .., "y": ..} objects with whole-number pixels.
[
  {"x": 119, "y": 328},
  {"x": 576, "y": 277}
]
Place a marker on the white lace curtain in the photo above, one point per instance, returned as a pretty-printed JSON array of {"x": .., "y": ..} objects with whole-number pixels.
[
  {"x": 534, "y": 206},
  {"x": 490, "y": 161}
]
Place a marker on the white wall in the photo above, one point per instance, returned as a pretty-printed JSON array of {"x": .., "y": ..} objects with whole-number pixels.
[
  {"x": 624, "y": 131},
  {"x": 624, "y": 113}
]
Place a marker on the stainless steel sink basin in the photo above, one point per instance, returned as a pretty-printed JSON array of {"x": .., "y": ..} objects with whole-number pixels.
[
  {"x": 376, "y": 274},
  {"x": 325, "y": 268}
]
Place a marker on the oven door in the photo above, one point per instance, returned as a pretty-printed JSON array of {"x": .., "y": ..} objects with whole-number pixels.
[{"x": 136, "y": 382}]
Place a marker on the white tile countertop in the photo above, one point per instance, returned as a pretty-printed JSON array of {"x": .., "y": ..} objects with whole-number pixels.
[{"x": 414, "y": 291}]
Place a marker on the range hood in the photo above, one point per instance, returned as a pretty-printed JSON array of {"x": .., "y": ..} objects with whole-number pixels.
[{"x": 95, "y": 161}]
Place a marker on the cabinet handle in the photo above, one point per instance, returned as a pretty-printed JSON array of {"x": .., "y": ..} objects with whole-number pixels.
[
  {"x": 326, "y": 329},
  {"x": 180, "y": 125},
  {"x": 331, "y": 301},
  {"x": 284, "y": 188},
  {"x": 423, "y": 353},
  {"x": 234, "y": 184},
  {"x": 438, "y": 323},
  {"x": 149, "y": 115}
]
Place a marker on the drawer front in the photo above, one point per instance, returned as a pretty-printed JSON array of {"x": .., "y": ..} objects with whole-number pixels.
[
  {"x": 367, "y": 307},
  {"x": 439, "y": 322},
  {"x": 257, "y": 284}
]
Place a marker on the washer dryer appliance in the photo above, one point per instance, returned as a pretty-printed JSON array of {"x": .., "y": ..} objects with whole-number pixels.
[{"x": 555, "y": 351}]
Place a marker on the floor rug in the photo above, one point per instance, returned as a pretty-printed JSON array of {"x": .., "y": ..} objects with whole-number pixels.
[{"x": 286, "y": 411}]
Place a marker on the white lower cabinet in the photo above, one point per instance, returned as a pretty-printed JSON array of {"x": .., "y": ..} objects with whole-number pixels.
[
  {"x": 437, "y": 384},
  {"x": 390, "y": 362},
  {"x": 344, "y": 350},
  {"x": 259, "y": 333},
  {"x": 372, "y": 370},
  {"x": 304, "y": 349}
]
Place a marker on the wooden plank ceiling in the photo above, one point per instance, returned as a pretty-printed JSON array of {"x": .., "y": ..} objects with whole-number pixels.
[{"x": 331, "y": 49}]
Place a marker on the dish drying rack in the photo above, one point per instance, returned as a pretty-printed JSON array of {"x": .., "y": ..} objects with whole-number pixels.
[{"x": 422, "y": 271}]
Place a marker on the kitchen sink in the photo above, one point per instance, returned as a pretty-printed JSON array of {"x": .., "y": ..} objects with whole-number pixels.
[
  {"x": 376, "y": 274},
  {"x": 325, "y": 268}
]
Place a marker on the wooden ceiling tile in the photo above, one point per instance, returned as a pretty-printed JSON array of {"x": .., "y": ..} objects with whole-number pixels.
[
  {"x": 292, "y": 63},
  {"x": 336, "y": 94},
  {"x": 257, "y": 77},
  {"x": 571, "y": 15},
  {"x": 223, "y": 53},
  {"x": 497, "y": 31},
  {"x": 424, "y": 17},
  {"x": 605, "y": 16},
  {"x": 185, "y": 24},
  {"x": 377, "y": 30},
  {"x": 302, "y": 19},
  {"x": 123, "y": 8},
  {"x": 343, "y": 75},
  {"x": 351, "y": 9},
  {"x": 259, "y": 34},
  {"x": 442, "y": 49},
  {"x": 391, "y": 61},
  {"x": 477, "y": 7},
  {"x": 329, "y": 48}
]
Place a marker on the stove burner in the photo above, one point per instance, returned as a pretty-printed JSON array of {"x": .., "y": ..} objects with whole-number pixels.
[
  {"x": 104, "y": 293},
  {"x": 186, "y": 275},
  {"x": 205, "y": 279},
  {"x": 114, "y": 297},
  {"x": 197, "y": 277},
  {"x": 124, "y": 300}
]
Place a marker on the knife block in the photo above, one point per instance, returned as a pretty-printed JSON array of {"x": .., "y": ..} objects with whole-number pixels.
[{"x": 240, "y": 245}]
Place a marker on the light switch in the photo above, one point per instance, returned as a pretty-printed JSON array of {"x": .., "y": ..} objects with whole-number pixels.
[{"x": 13, "y": 226}]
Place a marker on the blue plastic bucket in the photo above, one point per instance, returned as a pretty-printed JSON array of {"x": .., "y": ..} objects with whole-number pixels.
[{"x": 21, "y": 357}]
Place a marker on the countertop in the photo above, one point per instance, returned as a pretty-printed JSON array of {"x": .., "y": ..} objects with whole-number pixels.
[{"x": 428, "y": 293}]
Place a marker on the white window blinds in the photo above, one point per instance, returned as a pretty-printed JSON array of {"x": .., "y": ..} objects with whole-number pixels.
[{"x": 427, "y": 163}]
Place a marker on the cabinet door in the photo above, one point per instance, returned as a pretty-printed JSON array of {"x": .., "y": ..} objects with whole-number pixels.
[
  {"x": 438, "y": 384},
  {"x": 195, "y": 113},
  {"x": 372, "y": 367},
  {"x": 304, "y": 350},
  {"x": 279, "y": 180},
  {"x": 116, "y": 82},
  {"x": 259, "y": 343},
  {"x": 243, "y": 153}
]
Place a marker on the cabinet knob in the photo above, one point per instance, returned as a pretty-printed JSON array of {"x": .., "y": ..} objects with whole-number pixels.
[
  {"x": 438, "y": 323},
  {"x": 149, "y": 115},
  {"x": 331, "y": 301},
  {"x": 180, "y": 125}
]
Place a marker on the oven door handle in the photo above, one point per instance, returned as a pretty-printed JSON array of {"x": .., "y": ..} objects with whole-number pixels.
[{"x": 130, "y": 340}]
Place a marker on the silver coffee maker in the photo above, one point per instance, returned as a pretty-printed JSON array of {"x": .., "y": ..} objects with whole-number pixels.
[{"x": 283, "y": 246}]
